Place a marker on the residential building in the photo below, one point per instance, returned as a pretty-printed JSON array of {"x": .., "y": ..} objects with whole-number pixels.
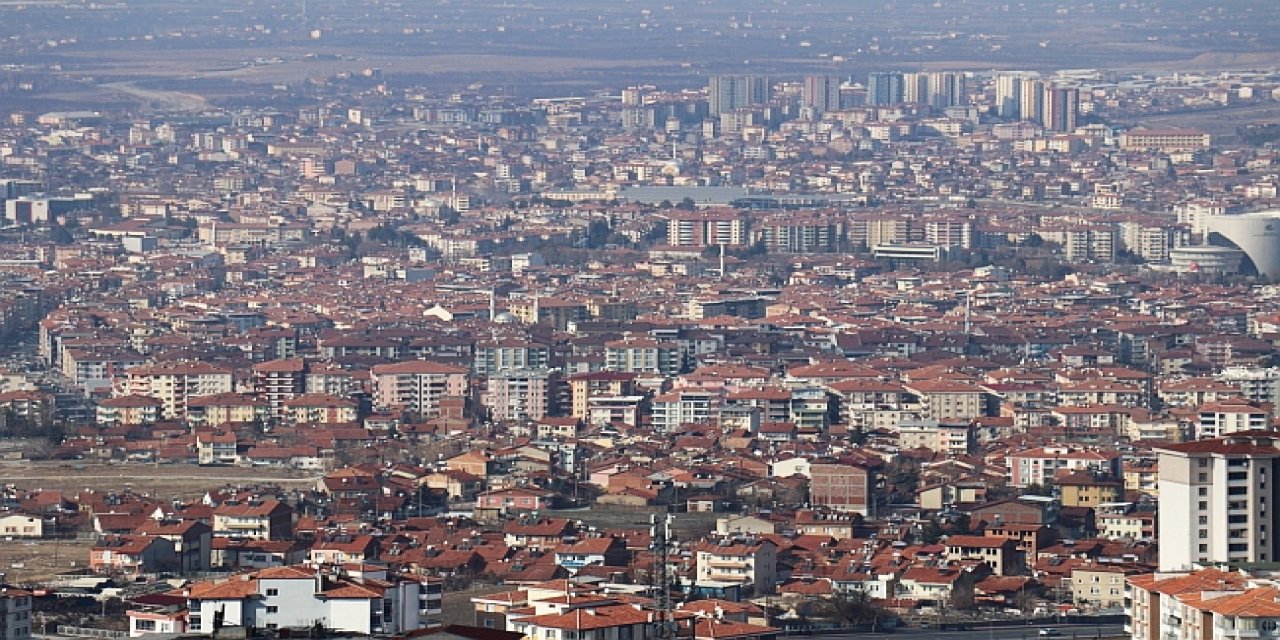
[
  {"x": 730, "y": 92},
  {"x": 680, "y": 407},
  {"x": 842, "y": 487},
  {"x": 521, "y": 394},
  {"x": 266, "y": 519},
  {"x": 746, "y": 563},
  {"x": 367, "y": 601},
  {"x": 418, "y": 386},
  {"x": 15, "y": 614},
  {"x": 279, "y": 381},
  {"x": 1228, "y": 486},
  {"x": 584, "y": 387},
  {"x": 174, "y": 383},
  {"x": 1040, "y": 465},
  {"x": 706, "y": 228},
  {"x": 642, "y": 355}
]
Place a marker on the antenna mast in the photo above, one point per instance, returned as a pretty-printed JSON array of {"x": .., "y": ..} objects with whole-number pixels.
[{"x": 660, "y": 531}]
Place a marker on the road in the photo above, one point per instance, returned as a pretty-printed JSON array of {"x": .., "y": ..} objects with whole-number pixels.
[{"x": 1029, "y": 632}]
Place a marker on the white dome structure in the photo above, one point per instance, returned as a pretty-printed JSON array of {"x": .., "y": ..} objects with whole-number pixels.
[{"x": 1257, "y": 234}]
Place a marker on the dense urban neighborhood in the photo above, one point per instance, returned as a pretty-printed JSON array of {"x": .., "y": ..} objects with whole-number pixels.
[{"x": 986, "y": 353}]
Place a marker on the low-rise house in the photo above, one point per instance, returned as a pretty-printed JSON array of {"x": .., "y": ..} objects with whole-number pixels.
[
  {"x": 233, "y": 554},
  {"x": 997, "y": 553},
  {"x": 132, "y": 555},
  {"x": 156, "y": 619},
  {"x": 21, "y": 525},
  {"x": 602, "y": 550},
  {"x": 344, "y": 549},
  {"x": 192, "y": 541},
  {"x": 514, "y": 499},
  {"x": 266, "y": 519},
  {"x": 366, "y": 601},
  {"x": 742, "y": 565}
]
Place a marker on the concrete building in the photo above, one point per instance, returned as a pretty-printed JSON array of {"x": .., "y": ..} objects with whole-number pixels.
[
  {"x": 682, "y": 406},
  {"x": 173, "y": 383},
  {"x": 821, "y": 94},
  {"x": 1164, "y": 139},
  {"x": 706, "y": 228},
  {"x": 418, "y": 385},
  {"x": 644, "y": 355},
  {"x": 840, "y": 486},
  {"x": 15, "y": 614},
  {"x": 744, "y": 562},
  {"x": 1223, "y": 485},
  {"x": 521, "y": 394},
  {"x": 367, "y": 601},
  {"x": 885, "y": 88},
  {"x": 730, "y": 92}
]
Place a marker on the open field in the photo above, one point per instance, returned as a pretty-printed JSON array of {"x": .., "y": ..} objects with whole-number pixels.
[
  {"x": 167, "y": 482},
  {"x": 30, "y": 561}
]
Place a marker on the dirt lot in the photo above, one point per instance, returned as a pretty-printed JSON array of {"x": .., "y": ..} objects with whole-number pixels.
[
  {"x": 28, "y": 561},
  {"x": 167, "y": 482}
]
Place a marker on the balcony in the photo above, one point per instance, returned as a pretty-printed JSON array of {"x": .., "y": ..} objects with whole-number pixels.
[{"x": 729, "y": 564}]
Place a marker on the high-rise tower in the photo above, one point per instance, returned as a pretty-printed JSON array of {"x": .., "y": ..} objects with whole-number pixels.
[
  {"x": 727, "y": 93},
  {"x": 821, "y": 93},
  {"x": 884, "y": 88}
]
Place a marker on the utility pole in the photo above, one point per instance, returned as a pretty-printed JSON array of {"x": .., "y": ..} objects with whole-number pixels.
[{"x": 660, "y": 532}]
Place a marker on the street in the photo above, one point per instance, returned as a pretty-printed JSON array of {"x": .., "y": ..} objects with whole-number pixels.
[{"x": 978, "y": 632}]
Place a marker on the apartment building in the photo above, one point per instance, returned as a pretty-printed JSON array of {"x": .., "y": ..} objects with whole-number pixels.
[
  {"x": 841, "y": 486},
  {"x": 503, "y": 355},
  {"x": 746, "y": 563},
  {"x": 15, "y": 614},
  {"x": 1228, "y": 490},
  {"x": 174, "y": 383},
  {"x": 707, "y": 228},
  {"x": 1041, "y": 464},
  {"x": 521, "y": 394},
  {"x": 682, "y": 406},
  {"x": 949, "y": 400},
  {"x": 418, "y": 386},
  {"x": 635, "y": 354},
  {"x": 583, "y": 387},
  {"x": 278, "y": 381}
]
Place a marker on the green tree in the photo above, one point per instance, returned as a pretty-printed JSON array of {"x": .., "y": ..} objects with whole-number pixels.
[{"x": 855, "y": 608}]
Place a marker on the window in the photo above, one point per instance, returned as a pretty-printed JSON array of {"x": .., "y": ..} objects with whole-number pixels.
[
  {"x": 276, "y": 592},
  {"x": 273, "y": 609},
  {"x": 146, "y": 625},
  {"x": 1203, "y": 492}
]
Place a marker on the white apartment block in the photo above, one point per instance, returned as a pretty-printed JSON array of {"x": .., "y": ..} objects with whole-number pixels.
[{"x": 1226, "y": 492}]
